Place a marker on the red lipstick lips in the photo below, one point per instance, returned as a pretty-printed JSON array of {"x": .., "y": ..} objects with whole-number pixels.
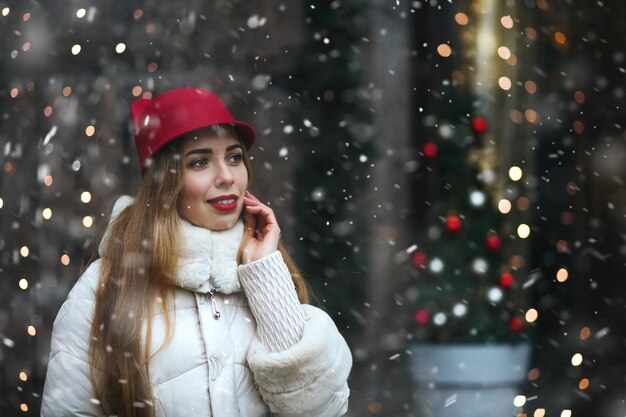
[{"x": 224, "y": 202}]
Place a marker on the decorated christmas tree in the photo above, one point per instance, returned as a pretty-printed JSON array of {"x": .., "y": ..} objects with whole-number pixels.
[
  {"x": 469, "y": 261},
  {"x": 465, "y": 285}
]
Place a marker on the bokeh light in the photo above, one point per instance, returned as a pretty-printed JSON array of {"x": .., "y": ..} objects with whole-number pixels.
[
  {"x": 506, "y": 21},
  {"x": 531, "y": 315},
  {"x": 515, "y": 173},
  {"x": 87, "y": 221},
  {"x": 461, "y": 19},
  {"x": 504, "y": 206},
  {"x": 523, "y": 231},
  {"x": 577, "y": 359},
  {"x": 444, "y": 50}
]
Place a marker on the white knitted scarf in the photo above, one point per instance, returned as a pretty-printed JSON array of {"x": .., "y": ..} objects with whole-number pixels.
[{"x": 207, "y": 259}]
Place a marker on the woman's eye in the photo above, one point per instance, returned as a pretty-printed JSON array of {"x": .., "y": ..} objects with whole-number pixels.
[
  {"x": 235, "y": 158},
  {"x": 198, "y": 163}
]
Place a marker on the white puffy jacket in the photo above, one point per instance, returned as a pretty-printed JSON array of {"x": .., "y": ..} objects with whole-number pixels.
[{"x": 265, "y": 355}]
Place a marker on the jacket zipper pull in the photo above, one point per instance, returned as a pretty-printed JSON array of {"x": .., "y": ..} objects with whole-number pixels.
[{"x": 216, "y": 314}]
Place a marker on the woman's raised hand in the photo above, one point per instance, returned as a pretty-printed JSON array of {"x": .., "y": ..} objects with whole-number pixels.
[{"x": 261, "y": 219}]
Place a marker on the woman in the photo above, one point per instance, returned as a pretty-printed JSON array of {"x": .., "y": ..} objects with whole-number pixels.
[{"x": 194, "y": 308}]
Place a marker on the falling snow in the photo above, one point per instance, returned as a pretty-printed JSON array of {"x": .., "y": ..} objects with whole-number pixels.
[{"x": 442, "y": 171}]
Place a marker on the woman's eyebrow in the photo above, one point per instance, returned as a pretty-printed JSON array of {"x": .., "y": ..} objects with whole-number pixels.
[{"x": 210, "y": 151}]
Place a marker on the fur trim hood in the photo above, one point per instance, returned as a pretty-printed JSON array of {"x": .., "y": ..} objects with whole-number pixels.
[{"x": 207, "y": 260}]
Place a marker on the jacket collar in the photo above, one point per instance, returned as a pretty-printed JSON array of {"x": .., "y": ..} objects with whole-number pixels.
[{"x": 207, "y": 259}]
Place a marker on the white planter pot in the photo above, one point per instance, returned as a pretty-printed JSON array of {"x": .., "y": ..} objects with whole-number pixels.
[{"x": 459, "y": 380}]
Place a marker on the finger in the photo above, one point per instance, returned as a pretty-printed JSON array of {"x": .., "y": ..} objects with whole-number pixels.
[
  {"x": 250, "y": 202},
  {"x": 251, "y": 219},
  {"x": 251, "y": 196},
  {"x": 266, "y": 215}
]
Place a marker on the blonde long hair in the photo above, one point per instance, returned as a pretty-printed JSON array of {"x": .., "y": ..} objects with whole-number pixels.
[{"x": 136, "y": 275}]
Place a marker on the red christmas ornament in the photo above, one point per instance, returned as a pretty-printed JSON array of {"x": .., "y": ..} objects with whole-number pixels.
[
  {"x": 453, "y": 222},
  {"x": 422, "y": 316},
  {"x": 430, "y": 150},
  {"x": 506, "y": 279},
  {"x": 419, "y": 259},
  {"x": 493, "y": 242},
  {"x": 479, "y": 125},
  {"x": 516, "y": 324}
]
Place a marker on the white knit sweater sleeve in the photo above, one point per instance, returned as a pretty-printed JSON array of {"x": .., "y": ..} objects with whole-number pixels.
[
  {"x": 274, "y": 302},
  {"x": 299, "y": 360}
]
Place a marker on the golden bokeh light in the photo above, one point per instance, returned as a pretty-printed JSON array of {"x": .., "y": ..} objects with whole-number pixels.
[
  {"x": 505, "y": 83},
  {"x": 444, "y": 50},
  {"x": 560, "y": 38},
  {"x": 585, "y": 332},
  {"x": 523, "y": 231},
  {"x": 583, "y": 384},
  {"x": 530, "y": 33},
  {"x": 461, "y": 19},
  {"x": 531, "y": 116},
  {"x": 577, "y": 359},
  {"x": 504, "y": 52},
  {"x": 88, "y": 221},
  {"x": 531, "y": 315},
  {"x": 504, "y": 206},
  {"x": 506, "y": 21},
  {"x": 90, "y": 130},
  {"x": 516, "y": 116},
  {"x": 515, "y": 173},
  {"x": 46, "y": 213}
]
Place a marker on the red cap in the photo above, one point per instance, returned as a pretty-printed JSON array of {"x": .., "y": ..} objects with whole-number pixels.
[{"x": 182, "y": 110}]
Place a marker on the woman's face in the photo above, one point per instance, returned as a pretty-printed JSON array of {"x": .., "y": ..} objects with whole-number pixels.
[{"x": 215, "y": 179}]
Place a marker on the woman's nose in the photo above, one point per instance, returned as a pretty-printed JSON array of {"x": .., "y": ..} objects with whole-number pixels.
[{"x": 223, "y": 175}]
